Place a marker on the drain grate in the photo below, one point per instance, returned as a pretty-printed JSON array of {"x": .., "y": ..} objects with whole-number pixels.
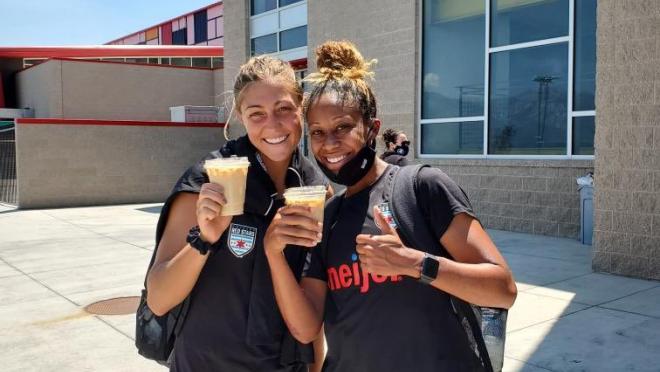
[{"x": 114, "y": 306}]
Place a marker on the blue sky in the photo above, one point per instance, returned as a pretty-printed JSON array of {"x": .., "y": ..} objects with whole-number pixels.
[{"x": 83, "y": 22}]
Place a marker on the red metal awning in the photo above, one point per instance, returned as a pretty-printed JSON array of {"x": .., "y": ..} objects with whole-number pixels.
[{"x": 106, "y": 51}]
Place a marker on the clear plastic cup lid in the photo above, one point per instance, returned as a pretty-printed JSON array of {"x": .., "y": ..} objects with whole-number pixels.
[
  {"x": 233, "y": 161},
  {"x": 305, "y": 190}
]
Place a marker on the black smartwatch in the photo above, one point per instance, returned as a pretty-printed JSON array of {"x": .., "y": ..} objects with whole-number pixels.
[
  {"x": 429, "y": 270},
  {"x": 195, "y": 240}
]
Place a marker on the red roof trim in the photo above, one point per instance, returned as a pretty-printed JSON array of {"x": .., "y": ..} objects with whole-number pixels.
[
  {"x": 107, "y": 51},
  {"x": 120, "y": 63},
  {"x": 164, "y": 22},
  {"x": 299, "y": 64},
  {"x": 97, "y": 122}
]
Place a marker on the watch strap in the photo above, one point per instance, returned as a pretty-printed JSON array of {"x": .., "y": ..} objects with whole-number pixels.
[{"x": 195, "y": 240}]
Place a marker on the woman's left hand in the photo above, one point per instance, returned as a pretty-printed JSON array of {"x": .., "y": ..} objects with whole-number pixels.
[{"x": 385, "y": 254}]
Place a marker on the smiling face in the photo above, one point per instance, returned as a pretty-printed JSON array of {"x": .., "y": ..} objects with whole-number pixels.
[
  {"x": 337, "y": 132},
  {"x": 272, "y": 119}
]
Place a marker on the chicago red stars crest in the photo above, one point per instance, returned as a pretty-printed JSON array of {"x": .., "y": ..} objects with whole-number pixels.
[{"x": 241, "y": 239}]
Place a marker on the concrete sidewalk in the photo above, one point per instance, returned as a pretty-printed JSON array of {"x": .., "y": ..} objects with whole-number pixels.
[{"x": 54, "y": 262}]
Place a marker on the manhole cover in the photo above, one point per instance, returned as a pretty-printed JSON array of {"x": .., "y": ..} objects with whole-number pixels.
[{"x": 114, "y": 306}]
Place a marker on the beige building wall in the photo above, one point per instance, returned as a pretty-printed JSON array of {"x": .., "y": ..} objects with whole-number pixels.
[
  {"x": 40, "y": 88},
  {"x": 236, "y": 37},
  {"x": 112, "y": 91},
  {"x": 75, "y": 165},
  {"x": 627, "y": 191},
  {"x": 219, "y": 96},
  {"x": 538, "y": 197},
  {"x": 133, "y": 92}
]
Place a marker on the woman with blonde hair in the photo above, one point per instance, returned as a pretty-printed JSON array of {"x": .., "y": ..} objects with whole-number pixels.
[
  {"x": 232, "y": 323},
  {"x": 384, "y": 306}
]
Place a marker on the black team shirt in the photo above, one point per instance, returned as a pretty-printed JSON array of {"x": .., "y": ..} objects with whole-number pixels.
[
  {"x": 233, "y": 323},
  {"x": 379, "y": 323}
]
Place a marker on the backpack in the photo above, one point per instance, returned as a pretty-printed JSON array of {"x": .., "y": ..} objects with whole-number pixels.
[
  {"x": 155, "y": 335},
  {"x": 485, "y": 327}
]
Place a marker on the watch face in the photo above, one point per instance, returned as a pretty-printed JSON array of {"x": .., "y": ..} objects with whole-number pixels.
[{"x": 430, "y": 268}]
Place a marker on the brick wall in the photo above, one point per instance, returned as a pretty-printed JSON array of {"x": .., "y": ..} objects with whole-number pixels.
[
  {"x": 529, "y": 196},
  {"x": 627, "y": 194}
]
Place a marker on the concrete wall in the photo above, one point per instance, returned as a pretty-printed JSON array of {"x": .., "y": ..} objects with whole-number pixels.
[
  {"x": 627, "y": 193},
  {"x": 40, "y": 88},
  {"x": 62, "y": 165},
  {"x": 112, "y": 91}
]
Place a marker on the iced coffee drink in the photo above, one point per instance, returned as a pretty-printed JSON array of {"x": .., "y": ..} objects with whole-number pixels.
[
  {"x": 231, "y": 174},
  {"x": 309, "y": 196}
]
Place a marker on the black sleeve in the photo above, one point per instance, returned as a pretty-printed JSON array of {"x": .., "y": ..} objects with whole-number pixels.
[
  {"x": 315, "y": 265},
  {"x": 441, "y": 199}
]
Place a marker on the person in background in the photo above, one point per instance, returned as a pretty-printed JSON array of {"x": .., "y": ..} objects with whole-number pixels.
[{"x": 397, "y": 146}]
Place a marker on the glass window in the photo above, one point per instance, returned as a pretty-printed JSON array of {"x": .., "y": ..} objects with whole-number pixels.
[
  {"x": 153, "y": 61},
  {"x": 288, "y": 2},
  {"x": 583, "y": 135},
  {"x": 264, "y": 44},
  {"x": 180, "y": 37},
  {"x": 137, "y": 60},
  {"x": 165, "y": 61},
  {"x": 181, "y": 61},
  {"x": 453, "y": 58},
  {"x": 527, "y": 108},
  {"x": 518, "y": 21},
  {"x": 200, "y": 27},
  {"x": 293, "y": 38},
  {"x": 217, "y": 62},
  {"x": 465, "y": 138},
  {"x": 584, "y": 89},
  {"x": 201, "y": 62},
  {"x": 261, "y": 6}
]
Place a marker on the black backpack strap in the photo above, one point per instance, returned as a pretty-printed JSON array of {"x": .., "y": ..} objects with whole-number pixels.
[{"x": 414, "y": 230}]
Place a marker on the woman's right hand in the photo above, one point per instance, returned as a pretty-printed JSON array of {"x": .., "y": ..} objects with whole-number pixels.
[
  {"x": 292, "y": 225},
  {"x": 209, "y": 205}
]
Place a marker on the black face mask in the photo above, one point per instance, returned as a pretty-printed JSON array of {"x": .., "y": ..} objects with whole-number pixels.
[
  {"x": 353, "y": 171},
  {"x": 402, "y": 149}
]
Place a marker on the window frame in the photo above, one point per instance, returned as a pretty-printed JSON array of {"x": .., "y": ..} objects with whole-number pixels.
[
  {"x": 570, "y": 114},
  {"x": 279, "y": 30}
]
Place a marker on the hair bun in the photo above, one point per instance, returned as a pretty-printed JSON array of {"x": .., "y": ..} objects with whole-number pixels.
[{"x": 341, "y": 59}]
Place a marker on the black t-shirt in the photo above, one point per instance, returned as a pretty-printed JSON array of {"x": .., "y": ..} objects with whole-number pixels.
[
  {"x": 233, "y": 323},
  {"x": 379, "y": 323}
]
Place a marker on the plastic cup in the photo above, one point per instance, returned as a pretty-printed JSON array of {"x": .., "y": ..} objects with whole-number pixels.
[
  {"x": 308, "y": 196},
  {"x": 231, "y": 174}
]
